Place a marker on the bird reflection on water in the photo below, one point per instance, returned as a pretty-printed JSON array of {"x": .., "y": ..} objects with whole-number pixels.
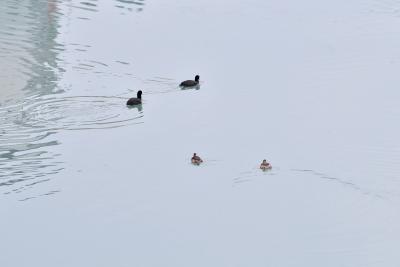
[
  {"x": 196, "y": 87},
  {"x": 138, "y": 107}
]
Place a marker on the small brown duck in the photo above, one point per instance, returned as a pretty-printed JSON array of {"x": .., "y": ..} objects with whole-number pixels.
[
  {"x": 265, "y": 165},
  {"x": 196, "y": 160}
]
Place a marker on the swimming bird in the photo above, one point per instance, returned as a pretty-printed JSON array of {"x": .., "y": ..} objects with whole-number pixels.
[
  {"x": 190, "y": 83},
  {"x": 135, "y": 100},
  {"x": 265, "y": 165},
  {"x": 196, "y": 159}
]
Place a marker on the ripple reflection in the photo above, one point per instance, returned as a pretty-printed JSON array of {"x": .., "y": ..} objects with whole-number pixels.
[
  {"x": 25, "y": 157},
  {"x": 29, "y": 63}
]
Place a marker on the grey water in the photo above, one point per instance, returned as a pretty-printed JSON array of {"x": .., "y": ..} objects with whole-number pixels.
[{"x": 312, "y": 87}]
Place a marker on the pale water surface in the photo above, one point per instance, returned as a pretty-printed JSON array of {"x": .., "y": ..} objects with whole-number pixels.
[{"x": 311, "y": 86}]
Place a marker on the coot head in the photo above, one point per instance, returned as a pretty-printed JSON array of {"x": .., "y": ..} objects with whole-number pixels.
[
  {"x": 197, "y": 78},
  {"x": 139, "y": 94}
]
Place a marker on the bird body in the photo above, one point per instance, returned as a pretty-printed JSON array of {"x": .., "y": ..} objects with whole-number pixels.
[
  {"x": 135, "y": 100},
  {"x": 191, "y": 83}
]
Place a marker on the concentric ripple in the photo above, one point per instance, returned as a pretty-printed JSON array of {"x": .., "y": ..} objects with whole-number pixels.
[{"x": 78, "y": 113}]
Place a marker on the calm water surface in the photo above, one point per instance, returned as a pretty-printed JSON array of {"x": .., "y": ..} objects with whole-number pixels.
[{"x": 312, "y": 87}]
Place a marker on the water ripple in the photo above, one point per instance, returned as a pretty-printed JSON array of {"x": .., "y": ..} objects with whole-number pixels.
[
  {"x": 250, "y": 176},
  {"x": 23, "y": 163},
  {"x": 28, "y": 47},
  {"x": 342, "y": 181},
  {"x": 28, "y": 134},
  {"x": 78, "y": 113},
  {"x": 128, "y": 4},
  {"x": 386, "y": 7}
]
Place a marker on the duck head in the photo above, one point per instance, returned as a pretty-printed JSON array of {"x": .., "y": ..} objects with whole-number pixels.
[
  {"x": 139, "y": 94},
  {"x": 197, "y": 78}
]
